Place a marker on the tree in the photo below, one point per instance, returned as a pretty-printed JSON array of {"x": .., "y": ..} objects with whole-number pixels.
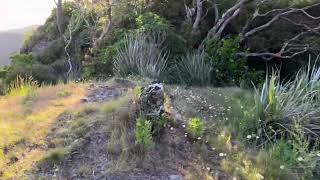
[
  {"x": 60, "y": 16},
  {"x": 309, "y": 25},
  {"x": 106, "y": 30}
]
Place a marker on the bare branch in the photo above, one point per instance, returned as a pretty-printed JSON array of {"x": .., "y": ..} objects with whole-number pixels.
[{"x": 282, "y": 13}]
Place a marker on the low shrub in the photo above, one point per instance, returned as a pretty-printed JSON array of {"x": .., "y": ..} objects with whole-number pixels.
[
  {"x": 195, "y": 128},
  {"x": 143, "y": 135}
]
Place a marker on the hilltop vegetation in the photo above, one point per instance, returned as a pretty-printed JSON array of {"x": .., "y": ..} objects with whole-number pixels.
[{"x": 242, "y": 88}]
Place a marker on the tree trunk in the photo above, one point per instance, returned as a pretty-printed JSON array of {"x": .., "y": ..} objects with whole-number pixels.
[
  {"x": 106, "y": 29},
  {"x": 196, "y": 23},
  {"x": 60, "y": 18}
]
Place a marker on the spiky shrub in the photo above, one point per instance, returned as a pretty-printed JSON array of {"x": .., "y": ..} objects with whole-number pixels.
[
  {"x": 143, "y": 135},
  {"x": 195, "y": 128},
  {"x": 139, "y": 57},
  {"x": 194, "y": 70},
  {"x": 279, "y": 105},
  {"x": 22, "y": 86}
]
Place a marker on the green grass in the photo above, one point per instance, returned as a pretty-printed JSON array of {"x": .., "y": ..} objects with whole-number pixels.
[
  {"x": 111, "y": 106},
  {"x": 54, "y": 156}
]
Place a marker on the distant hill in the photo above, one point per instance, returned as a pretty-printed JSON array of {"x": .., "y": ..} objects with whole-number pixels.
[{"x": 10, "y": 42}]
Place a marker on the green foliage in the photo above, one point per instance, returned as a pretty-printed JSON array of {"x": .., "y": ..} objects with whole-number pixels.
[
  {"x": 141, "y": 58},
  {"x": 222, "y": 57},
  {"x": 143, "y": 134},
  {"x": 195, "y": 128},
  {"x": 25, "y": 60},
  {"x": 150, "y": 23},
  {"x": 295, "y": 157},
  {"x": 158, "y": 125},
  {"x": 21, "y": 65},
  {"x": 50, "y": 54},
  {"x": 137, "y": 91},
  {"x": 192, "y": 69},
  {"x": 161, "y": 32},
  {"x": 273, "y": 112}
]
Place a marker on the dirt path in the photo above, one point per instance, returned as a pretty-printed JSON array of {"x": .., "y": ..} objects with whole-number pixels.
[{"x": 174, "y": 156}]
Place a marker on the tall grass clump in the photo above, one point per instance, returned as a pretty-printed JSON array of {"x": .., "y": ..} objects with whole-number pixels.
[
  {"x": 281, "y": 105},
  {"x": 275, "y": 108},
  {"x": 22, "y": 87},
  {"x": 140, "y": 57},
  {"x": 194, "y": 70}
]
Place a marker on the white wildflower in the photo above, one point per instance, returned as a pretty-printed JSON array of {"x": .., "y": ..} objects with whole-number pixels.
[
  {"x": 208, "y": 168},
  {"x": 318, "y": 154},
  {"x": 183, "y": 126},
  {"x": 259, "y": 176},
  {"x": 221, "y": 154},
  {"x": 171, "y": 128},
  {"x": 282, "y": 167},
  {"x": 249, "y": 137},
  {"x": 300, "y": 159},
  {"x": 199, "y": 138}
]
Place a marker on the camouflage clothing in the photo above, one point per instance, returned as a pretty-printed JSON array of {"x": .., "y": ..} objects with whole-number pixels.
[{"x": 152, "y": 100}]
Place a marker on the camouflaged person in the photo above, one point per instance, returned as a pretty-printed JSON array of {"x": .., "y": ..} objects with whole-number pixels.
[{"x": 152, "y": 100}]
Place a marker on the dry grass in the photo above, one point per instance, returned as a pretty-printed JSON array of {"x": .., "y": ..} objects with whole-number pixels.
[{"x": 24, "y": 126}]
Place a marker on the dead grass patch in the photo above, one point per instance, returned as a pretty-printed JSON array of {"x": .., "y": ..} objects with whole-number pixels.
[{"x": 29, "y": 119}]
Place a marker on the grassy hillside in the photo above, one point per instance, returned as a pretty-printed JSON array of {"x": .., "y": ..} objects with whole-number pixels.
[
  {"x": 25, "y": 127},
  {"x": 91, "y": 130}
]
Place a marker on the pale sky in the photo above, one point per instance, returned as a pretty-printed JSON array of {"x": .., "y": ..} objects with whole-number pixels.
[{"x": 22, "y": 13}]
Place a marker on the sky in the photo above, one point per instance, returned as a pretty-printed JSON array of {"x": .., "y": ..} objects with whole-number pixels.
[{"x": 15, "y": 14}]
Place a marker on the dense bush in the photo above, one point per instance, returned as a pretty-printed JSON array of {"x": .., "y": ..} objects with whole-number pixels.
[{"x": 228, "y": 69}]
